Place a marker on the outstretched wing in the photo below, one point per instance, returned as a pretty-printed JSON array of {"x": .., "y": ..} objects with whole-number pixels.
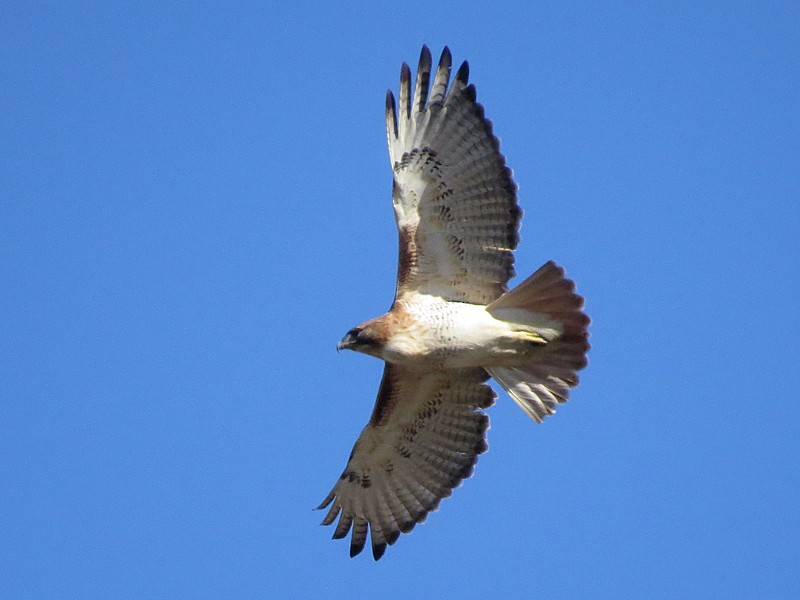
[
  {"x": 454, "y": 198},
  {"x": 423, "y": 439}
]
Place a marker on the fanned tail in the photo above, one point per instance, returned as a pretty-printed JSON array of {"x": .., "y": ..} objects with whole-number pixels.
[{"x": 546, "y": 302}]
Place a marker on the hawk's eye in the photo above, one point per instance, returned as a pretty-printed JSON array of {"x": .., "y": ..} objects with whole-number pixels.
[{"x": 354, "y": 333}]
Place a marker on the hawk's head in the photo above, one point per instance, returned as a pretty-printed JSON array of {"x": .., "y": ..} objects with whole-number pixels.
[{"x": 363, "y": 338}]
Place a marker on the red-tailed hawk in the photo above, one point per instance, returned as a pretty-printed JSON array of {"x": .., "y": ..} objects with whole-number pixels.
[{"x": 453, "y": 323}]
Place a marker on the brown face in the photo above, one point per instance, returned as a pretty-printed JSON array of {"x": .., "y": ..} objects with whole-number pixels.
[{"x": 359, "y": 339}]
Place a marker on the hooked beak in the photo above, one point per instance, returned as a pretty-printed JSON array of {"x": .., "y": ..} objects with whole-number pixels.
[{"x": 347, "y": 342}]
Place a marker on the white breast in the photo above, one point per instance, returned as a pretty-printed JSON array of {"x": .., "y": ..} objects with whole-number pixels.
[{"x": 454, "y": 334}]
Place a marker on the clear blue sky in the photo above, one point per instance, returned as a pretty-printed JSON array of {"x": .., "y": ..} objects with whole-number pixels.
[{"x": 195, "y": 207}]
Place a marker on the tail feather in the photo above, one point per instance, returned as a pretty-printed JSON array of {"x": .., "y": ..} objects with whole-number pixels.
[{"x": 547, "y": 303}]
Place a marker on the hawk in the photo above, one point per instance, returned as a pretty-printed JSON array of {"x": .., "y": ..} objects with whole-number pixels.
[{"x": 453, "y": 323}]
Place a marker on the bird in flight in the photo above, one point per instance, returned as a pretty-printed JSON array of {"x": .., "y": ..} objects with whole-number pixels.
[{"x": 453, "y": 323}]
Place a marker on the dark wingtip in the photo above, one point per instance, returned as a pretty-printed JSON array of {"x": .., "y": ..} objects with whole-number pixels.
[
  {"x": 391, "y": 112},
  {"x": 425, "y": 56},
  {"x": 462, "y": 75},
  {"x": 328, "y": 499},
  {"x": 405, "y": 73},
  {"x": 378, "y": 550},
  {"x": 407, "y": 526},
  {"x": 355, "y": 549},
  {"x": 470, "y": 93},
  {"x": 405, "y": 91},
  {"x": 446, "y": 59}
]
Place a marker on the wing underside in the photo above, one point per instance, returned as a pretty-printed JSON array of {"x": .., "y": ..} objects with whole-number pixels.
[
  {"x": 454, "y": 197},
  {"x": 423, "y": 439}
]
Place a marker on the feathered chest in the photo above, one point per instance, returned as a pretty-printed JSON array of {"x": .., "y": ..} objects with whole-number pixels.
[{"x": 430, "y": 330}]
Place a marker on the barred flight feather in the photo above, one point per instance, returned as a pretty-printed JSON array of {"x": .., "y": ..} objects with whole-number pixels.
[{"x": 453, "y": 322}]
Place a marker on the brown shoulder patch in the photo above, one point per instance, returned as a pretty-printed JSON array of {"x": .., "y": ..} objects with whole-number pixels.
[
  {"x": 407, "y": 256},
  {"x": 387, "y": 398}
]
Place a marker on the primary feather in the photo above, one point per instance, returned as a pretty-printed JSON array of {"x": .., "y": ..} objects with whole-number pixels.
[
  {"x": 453, "y": 321},
  {"x": 454, "y": 198}
]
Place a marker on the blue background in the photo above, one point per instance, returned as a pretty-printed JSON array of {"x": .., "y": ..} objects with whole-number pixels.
[{"x": 195, "y": 207}]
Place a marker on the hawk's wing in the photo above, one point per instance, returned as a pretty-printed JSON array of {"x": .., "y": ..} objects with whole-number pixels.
[
  {"x": 422, "y": 440},
  {"x": 454, "y": 198}
]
